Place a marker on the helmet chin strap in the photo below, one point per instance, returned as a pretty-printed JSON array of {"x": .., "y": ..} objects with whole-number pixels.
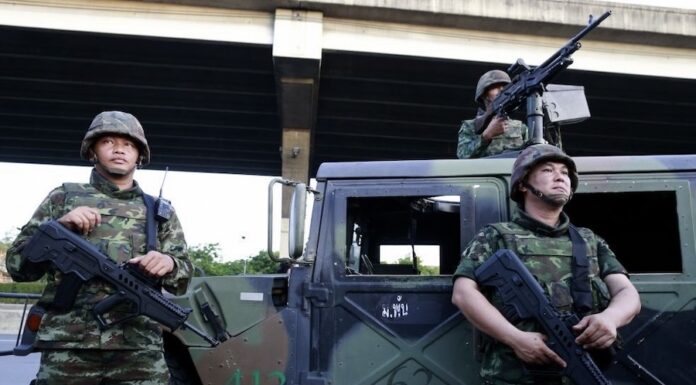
[
  {"x": 545, "y": 198},
  {"x": 113, "y": 173}
]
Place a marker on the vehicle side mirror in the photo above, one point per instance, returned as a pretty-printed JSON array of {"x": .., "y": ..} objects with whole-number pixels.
[
  {"x": 296, "y": 220},
  {"x": 298, "y": 207}
]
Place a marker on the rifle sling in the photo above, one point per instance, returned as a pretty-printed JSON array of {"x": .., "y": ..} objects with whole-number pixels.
[
  {"x": 151, "y": 225},
  {"x": 580, "y": 288}
]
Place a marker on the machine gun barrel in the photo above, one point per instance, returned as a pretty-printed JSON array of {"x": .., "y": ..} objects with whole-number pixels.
[{"x": 575, "y": 40}]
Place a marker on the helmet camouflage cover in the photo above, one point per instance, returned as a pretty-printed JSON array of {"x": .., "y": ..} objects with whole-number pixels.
[
  {"x": 116, "y": 122},
  {"x": 533, "y": 155},
  {"x": 488, "y": 79}
]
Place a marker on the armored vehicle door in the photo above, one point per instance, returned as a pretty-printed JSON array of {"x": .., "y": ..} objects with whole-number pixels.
[
  {"x": 648, "y": 221},
  {"x": 381, "y": 290}
]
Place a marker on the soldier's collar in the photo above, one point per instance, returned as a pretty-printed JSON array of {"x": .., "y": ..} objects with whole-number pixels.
[
  {"x": 108, "y": 188},
  {"x": 523, "y": 219}
]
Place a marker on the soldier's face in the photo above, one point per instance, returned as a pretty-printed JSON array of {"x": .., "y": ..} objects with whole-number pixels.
[
  {"x": 553, "y": 180},
  {"x": 492, "y": 92},
  {"x": 116, "y": 155}
]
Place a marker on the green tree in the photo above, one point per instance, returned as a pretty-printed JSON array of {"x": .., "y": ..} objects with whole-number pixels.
[
  {"x": 258, "y": 264},
  {"x": 424, "y": 270},
  {"x": 262, "y": 264},
  {"x": 4, "y": 245},
  {"x": 5, "y": 242},
  {"x": 207, "y": 258}
]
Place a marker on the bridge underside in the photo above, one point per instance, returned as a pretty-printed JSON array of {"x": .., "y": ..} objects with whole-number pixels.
[{"x": 213, "y": 106}]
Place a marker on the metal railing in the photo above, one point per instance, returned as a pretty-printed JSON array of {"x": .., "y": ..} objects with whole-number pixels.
[{"x": 26, "y": 297}]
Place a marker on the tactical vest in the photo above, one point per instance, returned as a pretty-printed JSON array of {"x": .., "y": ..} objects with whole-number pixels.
[
  {"x": 121, "y": 236},
  {"x": 117, "y": 215},
  {"x": 550, "y": 259}
]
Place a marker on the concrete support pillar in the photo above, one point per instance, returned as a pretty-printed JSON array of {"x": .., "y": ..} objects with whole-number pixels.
[{"x": 297, "y": 45}]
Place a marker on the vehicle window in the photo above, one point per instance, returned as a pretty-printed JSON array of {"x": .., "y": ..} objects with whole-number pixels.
[
  {"x": 427, "y": 257},
  {"x": 403, "y": 235},
  {"x": 641, "y": 227}
]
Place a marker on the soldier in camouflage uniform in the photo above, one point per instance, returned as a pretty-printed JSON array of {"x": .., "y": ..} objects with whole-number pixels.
[
  {"x": 110, "y": 213},
  {"x": 501, "y": 134},
  {"x": 543, "y": 180}
]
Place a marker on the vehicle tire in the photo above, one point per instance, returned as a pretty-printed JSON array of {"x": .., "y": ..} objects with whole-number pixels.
[{"x": 181, "y": 368}]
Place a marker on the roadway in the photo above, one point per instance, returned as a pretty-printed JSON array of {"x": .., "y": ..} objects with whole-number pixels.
[{"x": 16, "y": 370}]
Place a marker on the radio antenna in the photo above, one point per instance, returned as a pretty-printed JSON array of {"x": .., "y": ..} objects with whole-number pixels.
[{"x": 163, "y": 179}]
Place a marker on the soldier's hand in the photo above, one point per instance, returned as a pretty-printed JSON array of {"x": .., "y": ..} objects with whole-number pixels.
[
  {"x": 154, "y": 263},
  {"x": 598, "y": 331},
  {"x": 496, "y": 127},
  {"x": 531, "y": 348},
  {"x": 81, "y": 219}
]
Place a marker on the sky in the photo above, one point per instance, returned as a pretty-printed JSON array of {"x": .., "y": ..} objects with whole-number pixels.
[{"x": 213, "y": 208}]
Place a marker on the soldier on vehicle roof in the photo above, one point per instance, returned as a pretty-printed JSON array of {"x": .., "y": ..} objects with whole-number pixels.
[
  {"x": 110, "y": 213},
  {"x": 501, "y": 134},
  {"x": 543, "y": 180}
]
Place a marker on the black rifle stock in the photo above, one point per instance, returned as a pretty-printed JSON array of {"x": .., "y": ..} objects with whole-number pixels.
[
  {"x": 523, "y": 298},
  {"x": 80, "y": 260},
  {"x": 527, "y": 80}
]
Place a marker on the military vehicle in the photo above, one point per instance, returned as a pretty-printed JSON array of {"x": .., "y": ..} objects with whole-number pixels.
[
  {"x": 367, "y": 297},
  {"x": 346, "y": 313}
]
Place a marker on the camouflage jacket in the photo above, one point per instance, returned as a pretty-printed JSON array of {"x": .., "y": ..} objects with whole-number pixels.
[
  {"x": 547, "y": 253},
  {"x": 470, "y": 145},
  {"x": 122, "y": 236}
]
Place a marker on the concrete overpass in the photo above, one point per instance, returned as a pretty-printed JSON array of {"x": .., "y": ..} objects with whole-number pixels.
[{"x": 277, "y": 87}]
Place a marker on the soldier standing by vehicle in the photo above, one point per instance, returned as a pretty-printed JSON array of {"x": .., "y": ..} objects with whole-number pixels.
[
  {"x": 110, "y": 212},
  {"x": 543, "y": 181},
  {"x": 501, "y": 134}
]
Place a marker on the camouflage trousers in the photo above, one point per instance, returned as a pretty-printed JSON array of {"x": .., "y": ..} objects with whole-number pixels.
[{"x": 102, "y": 367}]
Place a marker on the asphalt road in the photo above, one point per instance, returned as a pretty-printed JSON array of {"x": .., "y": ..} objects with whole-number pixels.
[{"x": 16, "y": 370}]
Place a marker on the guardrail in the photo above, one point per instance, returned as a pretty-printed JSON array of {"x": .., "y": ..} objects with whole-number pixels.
[{"x": 26, "y": 297}]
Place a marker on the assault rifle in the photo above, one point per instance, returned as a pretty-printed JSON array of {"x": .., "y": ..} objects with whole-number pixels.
[
  {"x": 523, "y": 298},
  {"x": 79, "y": 260},
  {"x": 528, "y": 83}
]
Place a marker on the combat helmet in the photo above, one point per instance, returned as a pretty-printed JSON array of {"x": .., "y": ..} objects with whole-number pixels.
[
  {"x": 116, "y": 122},
  {"x": 533, "y": 155},
  {"x": 488, "y": 79}
]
